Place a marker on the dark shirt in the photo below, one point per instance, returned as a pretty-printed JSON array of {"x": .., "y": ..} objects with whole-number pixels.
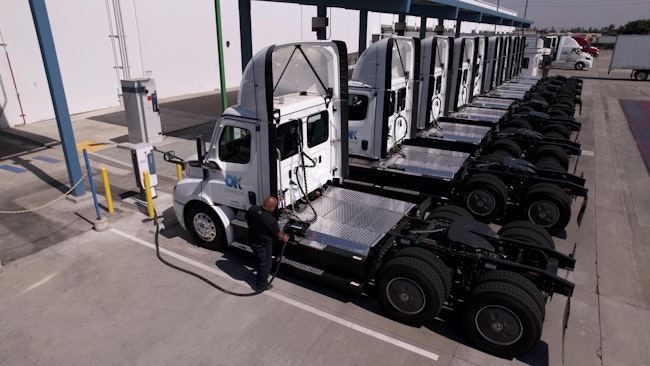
[{"x": 262, "y": 226}]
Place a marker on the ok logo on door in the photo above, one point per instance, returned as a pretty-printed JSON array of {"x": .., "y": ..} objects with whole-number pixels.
[{"x": 233, "y": 181}]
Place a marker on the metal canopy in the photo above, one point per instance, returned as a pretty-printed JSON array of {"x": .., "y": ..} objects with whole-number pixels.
[{"x": 440, "y": 9}]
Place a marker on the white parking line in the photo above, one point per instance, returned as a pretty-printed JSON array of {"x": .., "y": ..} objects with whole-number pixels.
[
  {"x": 587, "y": 153},
  {"x": 275, "y": 295}
]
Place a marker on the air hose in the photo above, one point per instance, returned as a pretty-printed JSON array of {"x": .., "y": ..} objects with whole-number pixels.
[{"x": 157, "y": 234}]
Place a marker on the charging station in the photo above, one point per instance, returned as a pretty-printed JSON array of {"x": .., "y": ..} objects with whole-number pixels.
[
  {"x": 141, "y": 108},
  {"x": 143, "y": 160}
]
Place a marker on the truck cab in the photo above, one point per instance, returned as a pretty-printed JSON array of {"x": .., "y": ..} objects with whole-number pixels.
[
  {"x": 568, "y": 54},
  {"x": 383, "y": 86},
  {"x": 586, "y": 46},
  {"x": 283, "y": 138}
]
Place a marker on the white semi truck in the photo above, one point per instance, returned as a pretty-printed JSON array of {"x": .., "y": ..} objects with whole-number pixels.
[
  {"x": 632, "y": 51},
  {"x": 286, "y": 137},
  {"x": 565, "y": 52},
  {"x": 390, "y": 149}
]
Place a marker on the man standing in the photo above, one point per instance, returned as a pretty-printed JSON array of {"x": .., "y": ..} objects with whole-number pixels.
[{"x": 263, "y": 230}]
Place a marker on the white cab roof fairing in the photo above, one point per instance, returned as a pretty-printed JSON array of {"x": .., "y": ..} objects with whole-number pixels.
[
  {"x": 386, "y": 59},
  {"x": 276, "y": 70}
]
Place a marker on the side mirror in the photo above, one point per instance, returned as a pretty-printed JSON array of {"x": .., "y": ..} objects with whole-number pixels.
[{"x": 170, "y": 157}]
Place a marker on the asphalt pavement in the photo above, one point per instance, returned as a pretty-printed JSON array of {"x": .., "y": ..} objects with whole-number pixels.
[{"x": 78, "y": 290}]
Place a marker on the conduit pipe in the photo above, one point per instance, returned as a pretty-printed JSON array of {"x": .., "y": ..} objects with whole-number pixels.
[{"x": 13, "y": 78}]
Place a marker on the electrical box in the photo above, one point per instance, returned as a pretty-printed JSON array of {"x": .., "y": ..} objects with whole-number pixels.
[
  {"x": 141, "y": 108},
  {"x": 143, "y": 161}
]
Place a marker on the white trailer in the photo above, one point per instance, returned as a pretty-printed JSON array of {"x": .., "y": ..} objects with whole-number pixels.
[{"x": 632, "y": 52}]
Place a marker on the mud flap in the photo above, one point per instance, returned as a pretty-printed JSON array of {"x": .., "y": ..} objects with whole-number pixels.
[
  {"x": 583, "y": 208},
  {"x": 565, "y": 323}
]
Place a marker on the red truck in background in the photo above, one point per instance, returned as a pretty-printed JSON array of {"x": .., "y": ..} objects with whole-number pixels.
[{"x": 586, "y": 46}]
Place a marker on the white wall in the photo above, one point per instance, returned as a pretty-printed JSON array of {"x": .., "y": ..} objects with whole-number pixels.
[{"x": 175, "y": 40}]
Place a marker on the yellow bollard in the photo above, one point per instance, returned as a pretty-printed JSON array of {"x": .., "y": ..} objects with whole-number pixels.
[
  {"x": 107, "y": 191},
  {"x": 179, "y": 171},
  {"x": 147, "y": 191}
]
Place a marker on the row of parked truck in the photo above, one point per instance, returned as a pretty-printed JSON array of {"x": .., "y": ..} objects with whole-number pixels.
[{"x": 389, "y": 178}]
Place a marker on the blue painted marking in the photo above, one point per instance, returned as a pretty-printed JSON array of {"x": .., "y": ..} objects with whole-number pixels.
[
  {"x": 47, "y": 160},
  {"x": 13, "y": 169}
]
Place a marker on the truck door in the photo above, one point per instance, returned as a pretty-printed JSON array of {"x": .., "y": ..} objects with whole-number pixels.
[
  {"x": 398, "y": 121},
  {"x": 317, "y": 148},
  {"x": 236, "y": 150},
  {"x": 362, "y": 124}
]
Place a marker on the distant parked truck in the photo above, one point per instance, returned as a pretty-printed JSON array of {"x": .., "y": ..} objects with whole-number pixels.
[
  {"x": 632, "y": 52},
  {"x": 586, "y": 46},
  {"x": 566, "y": 53}
]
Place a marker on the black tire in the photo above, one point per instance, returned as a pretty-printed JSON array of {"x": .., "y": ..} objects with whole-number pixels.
[
  {"x": 528, "y": 232},
  {"x": 485, "y": 197},
  {"x": 511, "y": 148},
  {"x": 556, "y": 127},
  {"x": 448, "y": 213},
  {"x": 205, "y": 227},
  {"x": 641, "y": 75},
  {"x": 548, "y": 206},
  {"x": 502, "y": 319},
  {"x": 579, "y": 66},
  {"x": 410, "y": 291},
  {"x": 518, "y": 280},
  {"x": 549, "y": 164},
  {"x": 432, "y": 260},
  {"x": 558, "y": 114},
  {"x": 519, "y": 123},
  {"x": 551, "y": 152}
]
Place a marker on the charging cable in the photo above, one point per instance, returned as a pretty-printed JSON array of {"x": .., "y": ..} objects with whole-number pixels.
[{"x": 157, "y": 234}]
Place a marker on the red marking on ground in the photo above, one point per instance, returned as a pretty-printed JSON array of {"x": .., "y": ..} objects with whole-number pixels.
[{"x": 637, "y": 113}]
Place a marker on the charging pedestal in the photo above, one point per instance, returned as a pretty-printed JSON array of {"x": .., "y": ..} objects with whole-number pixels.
[
  {"x": 143, "y": 160},
  {"x": 141, "y": 108}
]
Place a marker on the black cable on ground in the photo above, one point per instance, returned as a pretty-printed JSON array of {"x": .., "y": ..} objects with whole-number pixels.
[{"x": 155, "y": 221}]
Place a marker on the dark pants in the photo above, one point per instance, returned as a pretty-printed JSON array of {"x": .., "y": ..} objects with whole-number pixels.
[{"x": 263, "y": 256}]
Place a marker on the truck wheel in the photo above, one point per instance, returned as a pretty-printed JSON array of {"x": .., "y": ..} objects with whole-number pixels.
[
  {"x": 579, "y": 66},
  {"x": 503, "y": 319},
  {"x": 485, "y": 196},
  {"x": 205, "y": 227},
  {"x": 410, "y": 291},
  {"x": 549, "y": 164},
  {"x": 528, "y": 232},
  {"x": 548, "y": 206},
  {"x": 432, "y": 260},
  {"x": 640, "y": 75},
  {"x": 551, "y": 152},
  {"x": 519, "y": 123},
  {"x": 518, "y": 280},
  {"x": 558, "y": 114},
  {"x": 448, "y": 213},
  {"x": 556, "y": 127},
  {"x": 508, "y": 146}
]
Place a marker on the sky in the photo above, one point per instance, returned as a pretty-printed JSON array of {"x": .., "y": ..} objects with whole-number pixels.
[{"x": 578, "y": 13}]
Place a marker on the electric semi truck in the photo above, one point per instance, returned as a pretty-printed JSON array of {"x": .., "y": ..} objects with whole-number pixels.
[
  {"x": 287, "y": 137},
  {"x": 477, "y": 123},
  {"x": 386, "y": 153}
]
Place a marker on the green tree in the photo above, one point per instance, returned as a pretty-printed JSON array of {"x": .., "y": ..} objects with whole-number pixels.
[{"x": 641, "y": 26}]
